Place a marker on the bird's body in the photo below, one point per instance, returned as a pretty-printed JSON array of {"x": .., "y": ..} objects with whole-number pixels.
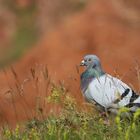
[{"x": 105, "y": 90}]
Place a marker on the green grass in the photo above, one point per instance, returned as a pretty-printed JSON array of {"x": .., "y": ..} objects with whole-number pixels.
[{"x": 74, "y": 123}]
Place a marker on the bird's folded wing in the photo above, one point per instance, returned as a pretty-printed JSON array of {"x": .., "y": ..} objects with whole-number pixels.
[{"x": 106, "y": 89}]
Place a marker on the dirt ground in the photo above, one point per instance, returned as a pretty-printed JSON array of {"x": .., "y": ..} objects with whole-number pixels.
[{"x": 100, "y": 29}]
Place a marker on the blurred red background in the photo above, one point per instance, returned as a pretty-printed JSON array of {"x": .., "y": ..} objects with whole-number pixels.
[{"x": 109, "y": 29}]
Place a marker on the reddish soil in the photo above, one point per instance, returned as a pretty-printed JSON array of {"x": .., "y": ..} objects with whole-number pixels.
[{"x": 99, "y": 29}]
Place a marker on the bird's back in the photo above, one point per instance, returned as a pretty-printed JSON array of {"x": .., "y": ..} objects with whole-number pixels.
[{"x": 107, "y": 89}]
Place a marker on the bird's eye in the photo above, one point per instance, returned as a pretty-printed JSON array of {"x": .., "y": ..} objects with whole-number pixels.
[
  {"x": 85, "y": 60},
  {"x": 89, "y": 59}
]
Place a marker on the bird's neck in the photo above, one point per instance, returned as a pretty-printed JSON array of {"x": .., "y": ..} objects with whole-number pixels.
[{"x": 93, "y": 72}]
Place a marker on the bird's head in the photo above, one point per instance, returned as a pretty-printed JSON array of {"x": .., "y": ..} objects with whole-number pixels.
[{"x": 91, "y": 61}]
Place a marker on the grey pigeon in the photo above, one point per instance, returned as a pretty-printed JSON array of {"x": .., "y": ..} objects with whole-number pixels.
[{"x": 105, "y": 91}]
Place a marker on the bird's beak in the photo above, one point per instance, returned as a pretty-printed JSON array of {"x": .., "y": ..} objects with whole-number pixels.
[{"x": 82, "y": 63}]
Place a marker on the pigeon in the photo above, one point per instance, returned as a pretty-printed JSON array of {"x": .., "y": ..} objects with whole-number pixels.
[{"x": 106, "y": 92}]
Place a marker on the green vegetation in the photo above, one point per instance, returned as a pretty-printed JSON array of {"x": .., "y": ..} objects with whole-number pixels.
[{"x": 75, "y": 123}]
